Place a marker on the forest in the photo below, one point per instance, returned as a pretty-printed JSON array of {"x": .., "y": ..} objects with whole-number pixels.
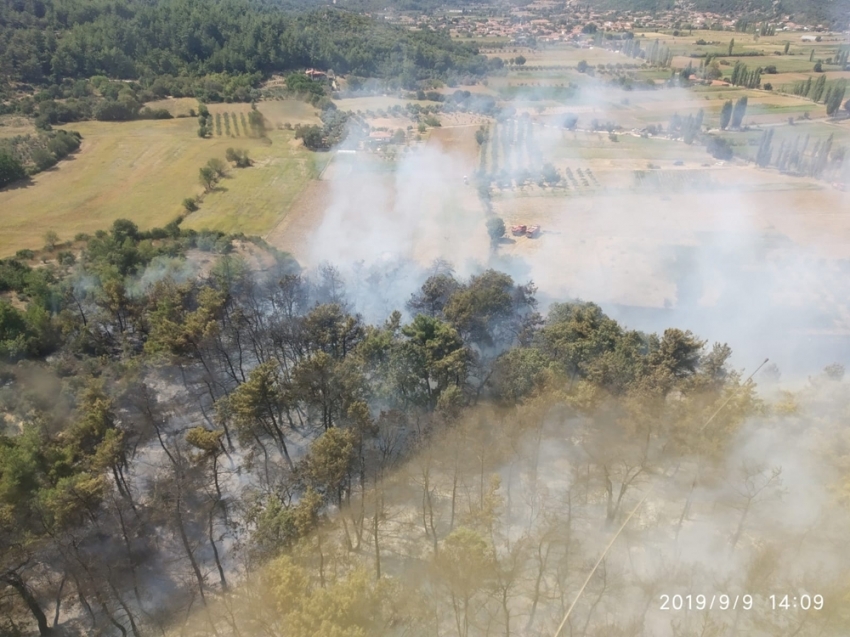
[
  {"x": 290, "y": 452},
  {"x": 46, "y": 42}
]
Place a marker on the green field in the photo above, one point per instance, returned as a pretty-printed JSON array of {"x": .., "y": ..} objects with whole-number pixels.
[{"x": 143, "y": 170}]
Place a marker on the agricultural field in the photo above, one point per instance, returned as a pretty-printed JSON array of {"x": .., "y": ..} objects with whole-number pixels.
[
  {"x": 177, "y": 106},
  {"x": 142, "y": 170}
]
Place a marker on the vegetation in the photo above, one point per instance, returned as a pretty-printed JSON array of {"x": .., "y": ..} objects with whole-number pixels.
[
  {"x": 473, "y": 363},
  {"x": 222, "y": 59},
  {"x": 201, "y": 437},
  {"x": 11, "y": 169},
  {"x": 30, "y": 154}
]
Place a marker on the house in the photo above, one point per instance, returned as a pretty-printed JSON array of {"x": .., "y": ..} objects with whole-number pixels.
[
  {"x": 315, "y": 74},
  {"x": 379, "y": 138}
]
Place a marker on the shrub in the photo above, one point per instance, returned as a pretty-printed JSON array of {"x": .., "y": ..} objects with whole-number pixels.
[
  {"x": 238, "y": 157},
  {"x": 155, "y": 113},
  {"x": 50, "y": 240},
  {"x": 43, "y": 158},
  {"x": 495, "y": 228},
  {"x": 66, "y": 257},
  {"x": 117, "y": 111},
  {"x": 11, "y": 169},
  {"x": 719, "y": 148},
  {"x": 218, "y": 167}
]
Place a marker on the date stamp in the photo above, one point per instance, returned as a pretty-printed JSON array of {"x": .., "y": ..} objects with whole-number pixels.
[
  {"x": 741, "y": 601},
  {"x": 714, "y": 601}
]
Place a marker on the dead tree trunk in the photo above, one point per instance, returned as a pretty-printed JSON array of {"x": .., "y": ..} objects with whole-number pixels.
[{"x": 17, "y": 583}]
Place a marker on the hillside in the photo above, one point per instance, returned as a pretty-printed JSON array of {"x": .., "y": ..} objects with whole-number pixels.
[{"x": 130, "y": 39}]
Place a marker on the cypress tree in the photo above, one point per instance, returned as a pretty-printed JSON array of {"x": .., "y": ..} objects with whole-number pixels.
[
  {"x": 833, "y": 101},
  {"x": 739, "y": 111},
  {"x": 818, "y": 88},
  {"x": 725, "y": 114}
]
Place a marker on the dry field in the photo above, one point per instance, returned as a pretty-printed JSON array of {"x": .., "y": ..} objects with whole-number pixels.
[
  {"x": 177, "y": 106},
  {"x": 416, "y": 205},
  {"x": 761, "y": 265},
  {"x": 375, "y": 103},
  {"x": 280, "y": 112},
  {"x": 142, "y": 171}
]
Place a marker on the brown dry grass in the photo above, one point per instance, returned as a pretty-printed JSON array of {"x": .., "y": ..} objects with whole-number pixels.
[{"x": 142, "y": 171}]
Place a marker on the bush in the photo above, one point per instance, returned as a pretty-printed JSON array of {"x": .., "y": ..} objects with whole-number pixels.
[
  {"x": 11, "y": 170},
  {"x": 50, "y": 240},
  {"x": 66, "y": 257},
  {"x": 190, "y": 204},
  {"x": 117, "y": 111},
  {"x": 495, "y": 228},
  {"x": 25, "y": 254},
  {"x": 311, "y": 136},
  {"x": 719, "y": 148},
  {"x": 158, "y": 233},
  {"x": 43, "y": 158},
  {"x": 238, "y": 157},
  {"x": 155, "y": 113},
  {"x": 218, "y": 167}
]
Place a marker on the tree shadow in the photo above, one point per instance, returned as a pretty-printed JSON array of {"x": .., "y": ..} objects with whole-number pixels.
[
  {"x": 21, "y": 184},
  {"x": 506, "y": 241}
]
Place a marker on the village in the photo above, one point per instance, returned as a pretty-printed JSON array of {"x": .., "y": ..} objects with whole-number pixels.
[{"x": 545, "y": 21}]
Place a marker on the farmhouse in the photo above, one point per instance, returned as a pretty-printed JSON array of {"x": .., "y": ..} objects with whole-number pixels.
[{"x": 379, "y": 139}]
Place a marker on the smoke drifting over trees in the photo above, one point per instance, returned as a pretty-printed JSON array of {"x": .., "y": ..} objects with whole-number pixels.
[{"x": 418, "y": 433}]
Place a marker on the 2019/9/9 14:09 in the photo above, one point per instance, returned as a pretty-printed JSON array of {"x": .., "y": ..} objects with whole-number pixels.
[{"x": 790, "y": 602}]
